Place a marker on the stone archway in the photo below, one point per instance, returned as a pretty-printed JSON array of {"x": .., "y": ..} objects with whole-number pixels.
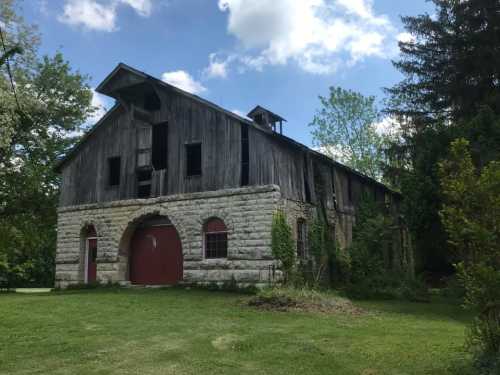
[{"x": 150, "y": 248}]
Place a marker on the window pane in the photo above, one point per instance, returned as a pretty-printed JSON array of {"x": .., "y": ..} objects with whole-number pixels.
[{"x": 216, "y": 245}]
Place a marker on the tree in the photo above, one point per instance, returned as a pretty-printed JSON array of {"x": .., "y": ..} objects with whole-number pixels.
[
  {"x": 471, "y": 214},
  {"x": 49, "y": 103},
  {"x": 344, "y": 130},
  {"x": 451, "y": 69},
  {"x": 451, "y": 64}
]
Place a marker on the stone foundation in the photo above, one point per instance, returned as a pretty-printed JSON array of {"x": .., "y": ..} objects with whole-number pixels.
[{"x": 247, "y": 213}]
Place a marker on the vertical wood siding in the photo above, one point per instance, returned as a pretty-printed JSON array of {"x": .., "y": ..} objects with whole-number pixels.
[{"x": 271, "y": 160}]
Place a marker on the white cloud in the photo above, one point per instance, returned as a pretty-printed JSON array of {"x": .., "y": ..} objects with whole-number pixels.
[
  {"x": 184, "y": 81},
  {"x": 337, "y": 152},
  {"x": 101, "y": 103},
  {"x": 142, "y": 7},
  {"x": 318, "y": 35},
  {"x": 388, "y": 126},
  {"x": 217, "y": 68},
  {"x": 405, "y": 37},
  {"x": 89, "y": 14},
  {"x": 99, "y": 16}
]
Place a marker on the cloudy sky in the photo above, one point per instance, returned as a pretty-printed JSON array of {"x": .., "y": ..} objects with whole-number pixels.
[{"x": 280, "y": 54}]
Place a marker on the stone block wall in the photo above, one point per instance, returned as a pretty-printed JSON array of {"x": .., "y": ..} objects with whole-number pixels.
[{"x": 247, "y": 213}]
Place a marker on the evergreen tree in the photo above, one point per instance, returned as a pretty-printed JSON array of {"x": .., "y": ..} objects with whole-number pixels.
[{"x": 451, "y": 89}]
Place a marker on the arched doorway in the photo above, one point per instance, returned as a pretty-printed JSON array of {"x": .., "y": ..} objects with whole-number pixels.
[{"x": 155, "y": 253}]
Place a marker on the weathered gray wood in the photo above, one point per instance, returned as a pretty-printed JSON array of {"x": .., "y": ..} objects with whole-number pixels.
[{"x": 272, "y": 159}]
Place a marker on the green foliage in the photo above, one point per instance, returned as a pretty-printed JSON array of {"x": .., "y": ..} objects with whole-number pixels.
[
  {"x": 373, "y": 269},
  {"x": 321, "y": 246},
  {"x": 344, "y": 129},
  {"x": 38, "y": 124},
  {"x": 442, "y": 81},
  {"x": 445, "y": 94},
  {"x": 282, "y": 244},
  {"x": 470, "y": 214}
]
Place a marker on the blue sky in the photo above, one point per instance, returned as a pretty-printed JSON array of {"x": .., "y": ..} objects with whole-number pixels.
[{"x": 280, "y": 54}]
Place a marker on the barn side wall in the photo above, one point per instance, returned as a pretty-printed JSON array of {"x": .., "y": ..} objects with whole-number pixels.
[{"x": 247, "y": 213}]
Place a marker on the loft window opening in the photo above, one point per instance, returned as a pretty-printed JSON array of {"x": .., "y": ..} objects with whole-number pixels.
[
  {"x": 215, "y": 239},
  {"x": 160, "y": 146},
  {"x": 114, "y": 164},
  {"x": 151, "y": 101},
  {"x": 193, "y": 159},
  {"x": 245, "y": 156},
  {"x": 143, "y": 183},
  {"x": 307, "y": 190},
  {"x": 333, "y": 189}
]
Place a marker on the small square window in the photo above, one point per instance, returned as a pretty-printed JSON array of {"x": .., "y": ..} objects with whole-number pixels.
[
  {"x": 193, "y": 159},
  {"x": 114, "y": 171}
]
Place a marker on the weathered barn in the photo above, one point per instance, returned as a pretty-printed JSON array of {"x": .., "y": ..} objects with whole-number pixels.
[{"x": 168, "y": 187}]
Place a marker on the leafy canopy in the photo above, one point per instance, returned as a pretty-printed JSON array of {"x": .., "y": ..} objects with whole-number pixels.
[{"x": 344, "y": 129}]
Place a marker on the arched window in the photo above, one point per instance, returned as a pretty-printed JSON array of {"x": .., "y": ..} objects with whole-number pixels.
[
  {"x": 215, "y": 239},
  {"x": 301, "y": 239}
]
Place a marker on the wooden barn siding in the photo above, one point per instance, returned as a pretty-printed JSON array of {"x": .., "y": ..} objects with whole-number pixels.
[
  {"x": 271, "y": 160},
  {"x": 84, "y": 178}
]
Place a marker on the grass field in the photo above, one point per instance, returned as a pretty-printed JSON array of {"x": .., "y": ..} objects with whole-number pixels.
[{"x": 175, "y": 331}]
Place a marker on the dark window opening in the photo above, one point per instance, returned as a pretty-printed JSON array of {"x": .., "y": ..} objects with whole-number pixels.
[
  {"x": 333, "y": 190},
  {"x": 114, "y": 171},
  {"x": 215, "y": 239},
  {"x": 301, "y": 239},
  {"x": 152, "y": 101},
  {"x": 143, "y": 183},
  {"x": 307, "y": 190},
  {"x": 216, "y": 245},
  {"x": 245, "y": 156},
  {"x": 259, "y": 119},
  {"x": 193, "y": 159},
  {"x": 160, "y": 143}
]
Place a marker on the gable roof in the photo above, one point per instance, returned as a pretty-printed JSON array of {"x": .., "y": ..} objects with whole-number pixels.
[
  {"x": 259, "y": 109},
  {"x": 121, "y": 67}
]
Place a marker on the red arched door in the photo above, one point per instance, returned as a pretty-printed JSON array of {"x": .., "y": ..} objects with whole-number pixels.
[{"x": 156, "y": 256}]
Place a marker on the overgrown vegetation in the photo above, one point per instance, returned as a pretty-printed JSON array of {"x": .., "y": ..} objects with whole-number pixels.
[
  {"x": 282, "y": 245},
  {"x": 471, "y": 216}
]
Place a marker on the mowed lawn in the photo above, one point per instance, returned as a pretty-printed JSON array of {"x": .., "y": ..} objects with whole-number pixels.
[{"x": 176, "y": 331}]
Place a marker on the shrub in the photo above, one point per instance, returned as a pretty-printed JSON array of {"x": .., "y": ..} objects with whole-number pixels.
[
  {"x": 372, "y": 272},
  {"x": 470, "y": 215},
  {"x": 282, "y": 244},
  {"x": 322, "y": 248}
]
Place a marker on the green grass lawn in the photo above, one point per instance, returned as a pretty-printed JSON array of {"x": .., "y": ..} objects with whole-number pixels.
[{"x": 175, "y": 331}]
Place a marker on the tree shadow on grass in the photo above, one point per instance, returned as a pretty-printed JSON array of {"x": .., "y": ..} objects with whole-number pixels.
[{"x": 437, "y": 309}]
